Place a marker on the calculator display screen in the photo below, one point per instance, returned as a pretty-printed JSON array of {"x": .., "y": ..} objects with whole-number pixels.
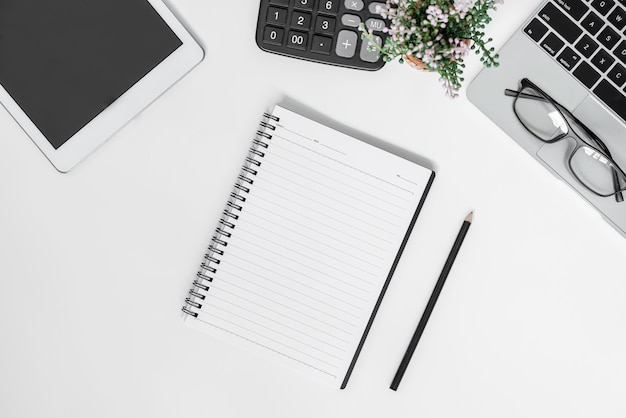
[{"x": 64, "y": 62}]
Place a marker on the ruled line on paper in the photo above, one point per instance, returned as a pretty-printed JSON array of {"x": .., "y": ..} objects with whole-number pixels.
[
  {"x": 323, "y": 214},
  {"x": 337, "y": 233},
  {"x": 298, "y": 330},
  {"x": 326, "y": 168},
  {"x": 323, "y": 243},
  {"x": 275, "y": 331},
  {"x": 276, "y": 135},
  {"x": 308, "y": 287},
  {"x": 377, "y": 209},
  {"x": 270, "y": 348},
  {"x": 282, "y": 256},
  {"x": 312, "y": 198},
  {"x": 315, "y": 259},
  {"x": 248, "y": 300},
  {"x": 231, "y": 274}
]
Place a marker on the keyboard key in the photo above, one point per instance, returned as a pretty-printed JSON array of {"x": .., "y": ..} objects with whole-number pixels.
[
  {"x": 587, "y": 46},
  {"x": 297, "y": 40},
  {"x": 603, "y": 60},
  {"x": 608, "y": 37},
  {"x": 568, "y": 58},
  {"x": 552, "y": 44},
  {"x": 603, "y": 6},
  {"x": 562, "y": 24},
  {"x": 620, "y": 52},
  {"x": 535, "y": 29},
  {"x": 303, "y": 4},
  {"x": 369, "y": 52},
  {"x": 618, "y": 18},
  {"x": 276, "y": 15},
  {"x": 280, "y": 2},
  {"x": 273, "y": 36},
  {"x": 329, "y": 6},
  {"x": 346, "y": 44},
  {"x": 325, "y": 25},
  {"x": 593, "y": 23},
  {"x": 322, "y": 44},
  {"x": 356, "y": 5},
  {"x": 614, "y": 98},
  {"x": 586, "y": 74},
  {"x": 618, "y": 75},
  {"x": 575, "y": 8},
  {"x": 301, "y": 20}
]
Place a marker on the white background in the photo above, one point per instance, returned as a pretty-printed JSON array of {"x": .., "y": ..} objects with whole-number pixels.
[{"x": 95, "y": 264}]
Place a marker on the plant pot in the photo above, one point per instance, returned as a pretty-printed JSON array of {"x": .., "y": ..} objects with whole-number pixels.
[{"x": 416, "y": 63}]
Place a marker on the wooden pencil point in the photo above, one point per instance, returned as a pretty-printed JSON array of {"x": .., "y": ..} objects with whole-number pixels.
[{"x": 469, "y": 217}]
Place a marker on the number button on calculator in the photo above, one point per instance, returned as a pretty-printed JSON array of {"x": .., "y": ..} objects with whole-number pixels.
[{"x": 325, "y": 31}]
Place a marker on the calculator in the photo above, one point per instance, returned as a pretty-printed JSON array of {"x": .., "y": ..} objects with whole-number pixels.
[{"x": 324, "y": 31}]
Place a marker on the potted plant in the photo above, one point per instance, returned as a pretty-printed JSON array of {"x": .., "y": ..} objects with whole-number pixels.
[{"x": 436, "y": 35}]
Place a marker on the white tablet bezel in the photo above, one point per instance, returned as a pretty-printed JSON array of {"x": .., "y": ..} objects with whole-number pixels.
[{"x": 120, "y": 112}]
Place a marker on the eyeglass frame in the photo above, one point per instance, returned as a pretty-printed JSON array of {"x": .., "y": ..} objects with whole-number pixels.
[{"x": 580, "y": 142}]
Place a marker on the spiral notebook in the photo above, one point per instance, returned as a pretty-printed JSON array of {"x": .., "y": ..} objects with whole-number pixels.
[{"x": 306, "y": 246}]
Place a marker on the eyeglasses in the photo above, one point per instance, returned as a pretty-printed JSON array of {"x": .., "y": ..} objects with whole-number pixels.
[{"x": 590, "y": 161}]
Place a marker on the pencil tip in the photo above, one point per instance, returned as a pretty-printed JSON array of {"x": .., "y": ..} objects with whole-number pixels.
[{"x": 470, "y": 217}]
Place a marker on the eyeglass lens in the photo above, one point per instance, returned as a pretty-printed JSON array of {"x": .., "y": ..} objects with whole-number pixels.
[
  {"x": 542, "y": 118},
  {"x": 539, "y": 115}
]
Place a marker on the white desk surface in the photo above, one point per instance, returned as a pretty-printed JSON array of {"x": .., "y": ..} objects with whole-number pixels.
[{"x": 95, "y": 264}]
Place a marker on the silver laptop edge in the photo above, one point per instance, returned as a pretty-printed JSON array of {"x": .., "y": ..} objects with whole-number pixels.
[{"x": 523, "y": 57}]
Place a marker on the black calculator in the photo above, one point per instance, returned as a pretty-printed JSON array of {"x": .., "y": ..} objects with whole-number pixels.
[{"x": 325, "y": 31}]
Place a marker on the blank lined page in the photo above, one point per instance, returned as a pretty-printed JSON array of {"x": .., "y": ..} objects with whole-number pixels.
[{"x": 312, "y": 248}]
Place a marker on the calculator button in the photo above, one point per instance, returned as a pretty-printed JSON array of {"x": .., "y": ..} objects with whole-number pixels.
[
  {"x": 373, "y": 7},
  {"x": 297, "y": 40},
  {"x": 350, "y": 20},
  {"x": 329, "y": 6},
  {"x": 346, "y": 43},
  {"x": 273, "y": 36},
  {"x": 325, "y": 25},
  {"x": 369, "y": 51},
  {"x": 375, "y": 24},
  {"x": 300, "y": 20},
  {"x": 276, "y": 15},
  {"x": 356, "y": 5},
  {"x": 321, "y": 44},
  {"x": 303, "y": 4}
]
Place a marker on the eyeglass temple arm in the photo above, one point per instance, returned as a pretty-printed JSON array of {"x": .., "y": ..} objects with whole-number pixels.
[{"x": 616, "y": 183}]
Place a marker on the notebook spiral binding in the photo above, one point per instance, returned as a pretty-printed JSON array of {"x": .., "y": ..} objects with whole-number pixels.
[{"x": 227, "y": 222}]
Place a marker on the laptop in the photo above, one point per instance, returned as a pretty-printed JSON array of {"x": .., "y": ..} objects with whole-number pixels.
[{"x": 575, "y": 51}]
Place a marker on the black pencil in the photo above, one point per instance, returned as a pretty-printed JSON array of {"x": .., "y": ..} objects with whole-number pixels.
[{"x": 431, "y": 302}]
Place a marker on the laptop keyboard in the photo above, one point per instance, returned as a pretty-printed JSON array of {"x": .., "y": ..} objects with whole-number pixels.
[{"x": 587, "y": 38}]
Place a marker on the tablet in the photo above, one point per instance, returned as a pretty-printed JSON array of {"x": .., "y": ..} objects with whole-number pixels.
[{"x": 73, "y": 72}]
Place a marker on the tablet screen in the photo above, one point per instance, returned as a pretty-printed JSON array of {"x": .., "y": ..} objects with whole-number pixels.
[{"x": 64, "y": 62}]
